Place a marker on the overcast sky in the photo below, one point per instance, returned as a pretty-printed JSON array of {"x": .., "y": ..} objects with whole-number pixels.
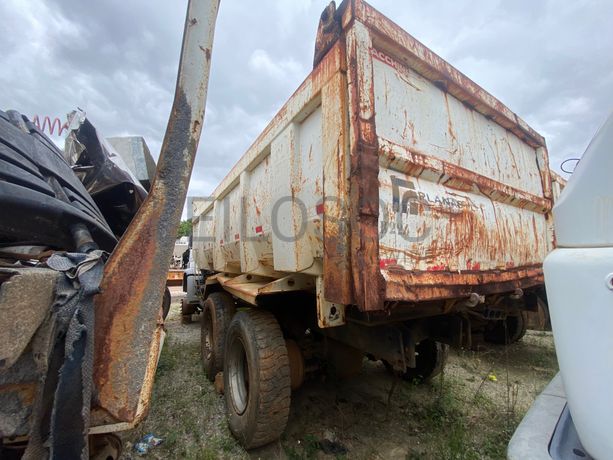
[{"x": 550, "y": 61}]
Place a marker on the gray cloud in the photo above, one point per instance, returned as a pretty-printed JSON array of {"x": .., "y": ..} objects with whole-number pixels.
[{"x": 551, "y": 62}]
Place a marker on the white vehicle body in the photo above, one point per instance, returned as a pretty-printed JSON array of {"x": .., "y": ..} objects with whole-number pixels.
[{"x": 579, "y": 283}]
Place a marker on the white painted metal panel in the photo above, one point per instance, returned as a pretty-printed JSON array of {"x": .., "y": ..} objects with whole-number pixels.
[
  {"x": 296, "y": 191},
  {"x": 256, "y": 233},
  {"x": 428, "y": 226},
  {"x": 413, "y": 112}
]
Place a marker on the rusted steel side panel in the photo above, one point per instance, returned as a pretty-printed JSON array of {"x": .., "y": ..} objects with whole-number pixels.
[
  {"x": 474, "y": 194},
  {"x": 389, "y": 35},
  {"x": 557, "y": 185},
  {"x": 364, "y": 195},
  {"x": 297, "y": 193},
  {"x": 256, "y": 235},
  {"x": 542, "y": 158},
  {"x": 428, "y": 227},
  {"x": 413, "y": 162},
  {"x": 461, "y": 194},
  {"x": 128, "y": 320},
  {"x": 405, "y": 285},
  {"x": 338, "y": 287},
  {"x": 227, "y": 253},
  {"x": 203, "y": 230}
]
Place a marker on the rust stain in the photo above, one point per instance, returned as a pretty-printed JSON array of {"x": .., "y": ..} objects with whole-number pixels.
[
  {"x": 438, "y": 284},
  {"x": 364, "y": 185},
  {"x": 25, "y": 391},
  {"x": 117, "y": 319},
  {"x": 412, "y": 128},
  {"x": 450, "y": 123},
  {"x": 338, "y": 282},
  {"x": 512, "y": 155},
  {"x": 257, "y": 209},
  {"x": 535, "y": 233},
  {"x": 328, "y": 32}
]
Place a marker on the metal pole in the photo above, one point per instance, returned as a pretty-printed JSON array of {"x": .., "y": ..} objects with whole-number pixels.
[{"x": 128, "y": 324}]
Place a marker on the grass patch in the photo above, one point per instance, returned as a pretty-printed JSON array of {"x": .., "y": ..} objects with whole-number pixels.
[
  {"x": 462, "y": 426},
  {"x": 186, "y": 412}
]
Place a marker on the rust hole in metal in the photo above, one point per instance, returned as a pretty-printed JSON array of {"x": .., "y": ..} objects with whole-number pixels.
[{"x": 290, "y": 282}]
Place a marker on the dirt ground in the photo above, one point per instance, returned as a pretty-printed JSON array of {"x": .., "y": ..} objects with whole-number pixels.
[{"x": 470, "y": 412}]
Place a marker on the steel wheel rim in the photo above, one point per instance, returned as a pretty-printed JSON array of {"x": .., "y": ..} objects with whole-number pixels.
[{"x": 238, "y": 378}]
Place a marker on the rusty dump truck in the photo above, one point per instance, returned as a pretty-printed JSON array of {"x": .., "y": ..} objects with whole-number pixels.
[{"x": 391, "y": 207}]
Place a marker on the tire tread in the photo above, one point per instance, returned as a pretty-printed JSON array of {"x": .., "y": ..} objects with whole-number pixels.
[
  {"x": 222, "y": 309},
  {"x": 274, "y": 394}
]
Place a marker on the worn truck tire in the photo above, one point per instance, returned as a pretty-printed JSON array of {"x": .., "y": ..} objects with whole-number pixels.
[
  {"x": 219, "y": 308},
  {"x": 430, "y": 359},
  {"x": 508, "y": 331},
  {"x": 166, "y": 303},
  {"x": 256, "y": 378},
  {"x": 187, "y": 310}
]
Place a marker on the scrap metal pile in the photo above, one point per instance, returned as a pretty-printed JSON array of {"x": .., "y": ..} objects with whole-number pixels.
[{"x": 62, "y": 213}]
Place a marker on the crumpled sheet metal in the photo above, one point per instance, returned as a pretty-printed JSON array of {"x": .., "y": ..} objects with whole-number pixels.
[{"x": 136, "y": 155}]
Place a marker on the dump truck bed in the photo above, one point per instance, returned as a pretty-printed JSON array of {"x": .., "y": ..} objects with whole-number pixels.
[{"x": 390, "y": 175}]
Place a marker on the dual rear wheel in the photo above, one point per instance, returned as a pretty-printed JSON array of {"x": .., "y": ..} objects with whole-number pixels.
[
  {"x": 256, "y": 378},
  {"x": 250, "y": 349},
  {"x": 248, "y": 346},
  {"x": 219, "y": 308}
]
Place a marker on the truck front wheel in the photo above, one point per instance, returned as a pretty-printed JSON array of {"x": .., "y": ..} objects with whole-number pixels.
[
  {"x": 257, "y": 383},
  {"x": 218, "y": 311}
]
